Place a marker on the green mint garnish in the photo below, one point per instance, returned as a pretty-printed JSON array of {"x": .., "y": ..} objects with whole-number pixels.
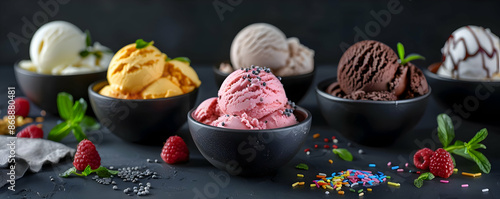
[
  {"x": 140, "y": 43},
  {"x": 75, "y": 119},
  {"x": 420, "y": 180},
  {"x": 88, "y": 42},
  {"x": 182, "y": 59},
  {"x": 402, "y": 59},
  {"x": 446, "y": 133},
  {"x": 102, "y": 172},
  {"x": 84, "y": 53},
  {"x": 302, "y": 166},
  {"x": 343, "y": 153},
  {"x": 88, "y": 39}
]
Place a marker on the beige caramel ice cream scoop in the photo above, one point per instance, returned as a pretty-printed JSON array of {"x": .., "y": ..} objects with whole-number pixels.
[{"x": 265, "y": 45}]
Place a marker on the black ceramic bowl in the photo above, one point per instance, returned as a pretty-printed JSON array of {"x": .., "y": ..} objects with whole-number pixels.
[
  {"x": 250, "y": 152},
  {"x": 477, "y": 101},
  {"x": 145, "y": 121},
  {"x": 42, "y": 89},
  {"x": 371, "y": 123},
  {"x": 296, "y": 87}
]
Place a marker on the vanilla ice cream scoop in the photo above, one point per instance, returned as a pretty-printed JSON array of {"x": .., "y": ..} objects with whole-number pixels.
[
  {"x": 471, "y": 53},
  {"x": 56, "y": 43},
  {"x": 60, "y": 48},
  {"x": 265, "y": 45}
]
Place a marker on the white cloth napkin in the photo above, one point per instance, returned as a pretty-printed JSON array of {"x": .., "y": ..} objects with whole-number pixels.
[{"x": 30, "y": 154}]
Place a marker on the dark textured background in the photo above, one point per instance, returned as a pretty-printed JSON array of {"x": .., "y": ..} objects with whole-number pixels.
[{"x": 193, "y": 28}]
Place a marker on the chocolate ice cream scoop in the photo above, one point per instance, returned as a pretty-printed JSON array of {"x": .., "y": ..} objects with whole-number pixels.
[
  {"x": 370, "y": 70},
  {"x": 367, "y": 66}
]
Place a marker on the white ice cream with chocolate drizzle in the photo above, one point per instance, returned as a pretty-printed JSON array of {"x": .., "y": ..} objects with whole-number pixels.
[{"x": 471, "y": 53}]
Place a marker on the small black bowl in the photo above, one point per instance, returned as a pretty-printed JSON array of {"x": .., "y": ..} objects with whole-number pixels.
[
  {"x": 250, "y": 152},
  {"x": 296, "y": 86},
  {"x": 477, "y": 101},
  {"x": 371, "y": 123},
  {"x": 144, "y": 121},
  {"x": 42, "y": 89}
]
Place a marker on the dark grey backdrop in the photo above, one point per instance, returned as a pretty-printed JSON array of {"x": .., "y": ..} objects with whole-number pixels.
[{"x": 194, "y": 28}]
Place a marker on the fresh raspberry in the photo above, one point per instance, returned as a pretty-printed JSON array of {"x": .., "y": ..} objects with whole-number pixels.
[
  {"x": 86, "y": 154},
  {"x": 175, "y": 150},
  {"x": 31, "y": 131},
  {"x": 441, "y": 164},
  {"x": 422, "y": 158},
  {"x": 22, "y": 106}
]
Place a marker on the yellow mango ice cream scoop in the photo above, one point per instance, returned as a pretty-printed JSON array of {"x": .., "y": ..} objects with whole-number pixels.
[{"x": 141, "y": 71}]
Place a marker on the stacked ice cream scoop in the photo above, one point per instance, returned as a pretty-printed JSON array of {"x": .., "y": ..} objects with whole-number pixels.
[
  {"x": 61, "y": 48},
  {"x": 265, "y": 45},
  {"x": 145, "y": 73},
  {"x": 370, "y": 70},
  {"x": 249, "y": 98},
  {"x": 471, "y": 53}
]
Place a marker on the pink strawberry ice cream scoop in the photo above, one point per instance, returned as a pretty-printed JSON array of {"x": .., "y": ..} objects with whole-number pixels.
[{"x": 249, "y": 98}]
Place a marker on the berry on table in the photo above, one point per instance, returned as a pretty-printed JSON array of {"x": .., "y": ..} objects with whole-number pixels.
[
  {"x": 31, "y": 131},
  {"x": 22, "y": 106},
  {"x": 441, "y": 164},
  {"x": 422, "y": 158},
  {"x": 86, "y": 154},
  {"x": 175, "y": 150}
]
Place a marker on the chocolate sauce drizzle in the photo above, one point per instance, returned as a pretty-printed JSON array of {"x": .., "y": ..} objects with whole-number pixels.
[{"x": 451, "y": 40}]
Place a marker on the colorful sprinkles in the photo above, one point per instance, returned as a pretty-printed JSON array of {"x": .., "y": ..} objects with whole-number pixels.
[
  {"x": 350, "y": 178},
  {"x": 471, "y": 174}
]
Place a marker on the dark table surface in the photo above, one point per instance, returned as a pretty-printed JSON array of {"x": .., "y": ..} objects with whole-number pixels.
[{"x": 195, "y": 179}]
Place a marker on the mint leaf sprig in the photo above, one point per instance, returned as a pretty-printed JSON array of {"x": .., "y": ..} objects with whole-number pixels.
[
  {"x": 182, "y": 59},
  {"x": 140, "y": 43},
  {"x": 75, "y": 119},
  {"x": 343, "y": 153},
  {"x": 102, "y": 172},
  {"x": 420, "y": 180},
  {"x": 446, "y": 133},
  {"x": 402, "y": 59}
]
